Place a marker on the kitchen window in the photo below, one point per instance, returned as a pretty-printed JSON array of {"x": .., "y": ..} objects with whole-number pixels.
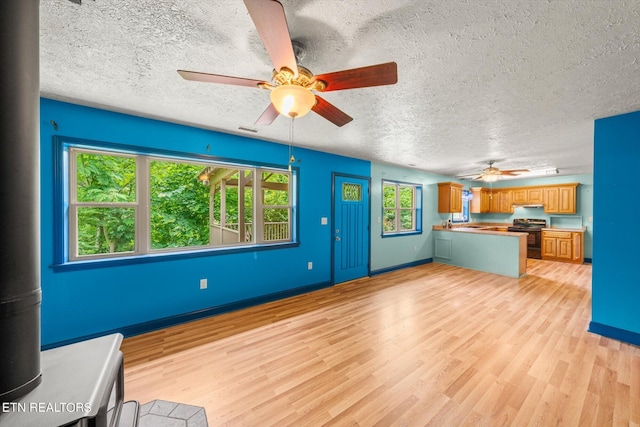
[
  {"x": 401, "y": 208},
  {"x": 119, "y": 203},
  {"x": 464, "y": 215}
]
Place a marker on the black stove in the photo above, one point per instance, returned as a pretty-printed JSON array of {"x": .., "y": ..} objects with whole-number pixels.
[
  {"x": 534, "y": 239},
  {"x": 528, "y": 224}
]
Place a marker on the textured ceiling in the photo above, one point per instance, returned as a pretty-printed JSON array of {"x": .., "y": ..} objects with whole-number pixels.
[{"x": 518, "y": 81}]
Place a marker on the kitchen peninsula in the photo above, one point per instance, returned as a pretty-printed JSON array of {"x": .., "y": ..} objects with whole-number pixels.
[{"x": 482, "y": 248}]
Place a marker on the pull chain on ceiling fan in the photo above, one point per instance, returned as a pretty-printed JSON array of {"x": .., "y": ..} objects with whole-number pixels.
[{"x": 292, "y": 85}]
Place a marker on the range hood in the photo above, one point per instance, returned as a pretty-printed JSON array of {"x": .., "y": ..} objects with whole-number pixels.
[{"x": 528, "y": 205}]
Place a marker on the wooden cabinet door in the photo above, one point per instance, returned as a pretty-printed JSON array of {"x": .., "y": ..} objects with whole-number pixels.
[
  {"x": 576, "y": 248},
  {"x": 551, "y": 200},
  {"x": 475, "y": 205},
  {"x": 535, "y": 195},
  {"x": 481, "y": 202},
  {"x": 520, "y": 196},
  {"x": 449, "y": 197},
  {"x": 456, "y": 199},
  {"x": 563, "y": 249},
  {"x": 506, "y": 205},
  {"x": 495, "y": 202},
  {"x": 485, "y": 201},
  {"x": 566, "y": 200},
  {"x": 549, "y": 247}
]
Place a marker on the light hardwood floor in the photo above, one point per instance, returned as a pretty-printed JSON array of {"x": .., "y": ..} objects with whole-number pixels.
[{"x": 431, "y": 345}]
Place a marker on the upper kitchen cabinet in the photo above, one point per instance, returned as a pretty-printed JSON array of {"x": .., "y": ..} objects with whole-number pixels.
[
  {"x": 481, "y": 201},
  {"x": 501, "y": 201},
  {"x": 560, "y": 199},
  {"x": 506, "y": 202},
  {"x": 527, "y": 196},
  {"x": 535, "y": 195},
  {"x": 449, "y": 197},
  {"x": 556, "y": 199},
  {"x": 520, "y": 196}
]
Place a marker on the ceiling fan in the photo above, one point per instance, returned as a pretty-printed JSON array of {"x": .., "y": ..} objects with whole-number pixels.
[
  {"x": 491, "y": 173},
  {"x": 292, "y": 85}
]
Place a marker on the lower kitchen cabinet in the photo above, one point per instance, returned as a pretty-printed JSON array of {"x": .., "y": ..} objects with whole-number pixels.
[{"x": 565, "y": 246}]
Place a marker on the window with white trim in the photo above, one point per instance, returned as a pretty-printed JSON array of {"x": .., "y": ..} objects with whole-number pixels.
[
  {"x": 401, "y": 208},
  {"x": 123, "y": 203}
]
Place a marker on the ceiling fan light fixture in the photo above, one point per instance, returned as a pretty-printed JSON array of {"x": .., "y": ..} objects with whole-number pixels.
[
  {"x": 292, "y": 100},
  {"x": 490, "y": 178}
]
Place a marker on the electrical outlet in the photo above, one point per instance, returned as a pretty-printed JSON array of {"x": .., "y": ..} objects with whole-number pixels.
[
  {"x": 324, "y": 220},
  {"x": 309, "y": 265},
  {"x": 203, "y": 283}
]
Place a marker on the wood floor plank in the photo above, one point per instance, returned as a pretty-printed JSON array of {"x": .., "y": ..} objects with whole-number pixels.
[{"x": 428, "y": 345}]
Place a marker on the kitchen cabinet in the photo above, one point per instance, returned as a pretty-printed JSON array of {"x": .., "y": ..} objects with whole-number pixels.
[
  {"x": 560, "y": 199},
  {"x": 535, "y": 196},
  {"x": 501, "y": 201},
  {"x": 551, "y": 199},
  {"x": 481, "y": 201},
  {"x": 520, "y": 196},
  {"x": 577, "y": 247},
  {"x": 527, "y": 196},
  {"x": 565, "y": 246},
  {"x": 449, "y": 197},
  {"x": 556, "y": 199},
  {"x": 494, "y": 207},
  {"x": 506, "y": 204},
  {"x": 567, "y": 199}
]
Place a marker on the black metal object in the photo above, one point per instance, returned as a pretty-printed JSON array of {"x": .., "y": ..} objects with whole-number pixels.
[
  {"x": 528, "y": 223},
  {"x": 534, "y": 239},
  {"x": 20, "y": 294},
  {"x": 83, "y": 384}
]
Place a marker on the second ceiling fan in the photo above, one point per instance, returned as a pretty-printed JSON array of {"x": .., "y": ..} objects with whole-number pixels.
[
  {"x": 492, "y": 173},
  {"x": 292, "y": 85}
]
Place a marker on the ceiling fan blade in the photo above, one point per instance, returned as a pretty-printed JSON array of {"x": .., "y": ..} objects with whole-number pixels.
[
  {"x": 514, "y": 171},
  {"x": 331, "y": 112},
  {"x": 373, "y": 75},
  {"x": 217, "y": 78},
  {"x": 268, "y": 116},
  {"x": 270, "y": 21}
]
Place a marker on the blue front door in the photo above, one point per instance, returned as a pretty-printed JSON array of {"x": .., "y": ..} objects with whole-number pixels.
[{"x": 350, "y": 228}]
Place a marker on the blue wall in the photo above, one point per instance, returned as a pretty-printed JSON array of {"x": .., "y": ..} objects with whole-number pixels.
[
  {"x": 584, "y": 209},
  {"x": 616, "y": 277},
  {"x": 83, "y": 303}
]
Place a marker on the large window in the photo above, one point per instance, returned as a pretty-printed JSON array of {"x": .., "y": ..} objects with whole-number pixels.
[
  {"x": 123, "y": 203},
  {"x": 401, "y": 208}
]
